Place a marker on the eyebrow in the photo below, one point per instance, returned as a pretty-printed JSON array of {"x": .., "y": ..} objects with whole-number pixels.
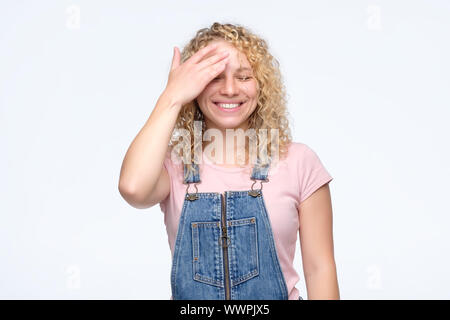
[{"x": 240, "y": 69}]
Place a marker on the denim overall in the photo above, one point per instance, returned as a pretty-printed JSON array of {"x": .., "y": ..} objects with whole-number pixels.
[{"x": 224, "y": 248}]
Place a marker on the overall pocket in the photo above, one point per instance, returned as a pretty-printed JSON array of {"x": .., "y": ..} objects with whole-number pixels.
[
  {"x": 206, "y": 255},
  {"x": 243, "y": 249},
  {"x": 207, "y": 252}
]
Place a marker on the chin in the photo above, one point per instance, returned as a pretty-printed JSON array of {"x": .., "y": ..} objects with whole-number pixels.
[{"x": 228, "y": 124}]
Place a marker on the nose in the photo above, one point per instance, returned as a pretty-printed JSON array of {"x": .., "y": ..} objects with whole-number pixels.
[{"x": 229, "y": 87}]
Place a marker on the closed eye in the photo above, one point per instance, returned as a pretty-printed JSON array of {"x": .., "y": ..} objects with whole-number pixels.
[{"x": 240, "y": 78}]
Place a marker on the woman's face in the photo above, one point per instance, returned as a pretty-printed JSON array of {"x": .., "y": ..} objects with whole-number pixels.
[{"x": 235, "y": 85}]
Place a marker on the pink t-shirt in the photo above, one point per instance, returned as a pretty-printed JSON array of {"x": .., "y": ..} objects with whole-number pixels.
[{"x": 291, "y": 181}]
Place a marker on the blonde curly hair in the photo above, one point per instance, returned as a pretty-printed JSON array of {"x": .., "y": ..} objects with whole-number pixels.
[{"x": 271, "y": 110}]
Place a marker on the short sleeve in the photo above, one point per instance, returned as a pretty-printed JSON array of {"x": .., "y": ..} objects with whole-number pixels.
[{"x": 312, "y": 173}]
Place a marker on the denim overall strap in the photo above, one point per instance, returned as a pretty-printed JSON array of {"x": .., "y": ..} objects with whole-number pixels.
[
  {"x": 192, "y": 177},
  {"x": 260, "y": 171}
]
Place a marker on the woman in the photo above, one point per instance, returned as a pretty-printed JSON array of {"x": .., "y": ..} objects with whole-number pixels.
[{"x": 230, "y": 239}]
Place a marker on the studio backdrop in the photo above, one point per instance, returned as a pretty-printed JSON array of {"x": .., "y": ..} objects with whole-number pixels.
[{"x": 368, "y": 89}]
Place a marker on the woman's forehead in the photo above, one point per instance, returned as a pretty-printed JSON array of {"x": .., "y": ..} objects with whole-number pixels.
[{"x": 237, "y": 59}]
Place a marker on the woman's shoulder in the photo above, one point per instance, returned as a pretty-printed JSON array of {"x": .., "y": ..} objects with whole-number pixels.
[
  {"x": 297, "y": 146},
  {"x": 297, "y": 150},
  {"x": 302, "y": 155},
  {"x": 305, "y": 157},
  {"x": 290, "y": 158}
]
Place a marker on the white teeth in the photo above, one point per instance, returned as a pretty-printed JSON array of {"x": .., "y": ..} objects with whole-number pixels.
[{"x": 228, "y": 105}]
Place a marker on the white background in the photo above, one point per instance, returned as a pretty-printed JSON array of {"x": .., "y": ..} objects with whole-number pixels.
[{"x": 368, "y": 86}]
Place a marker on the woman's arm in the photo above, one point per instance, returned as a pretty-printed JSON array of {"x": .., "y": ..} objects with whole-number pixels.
[
  {"x": 316, "y": 241},
  {"x": 144, "y": 181}
]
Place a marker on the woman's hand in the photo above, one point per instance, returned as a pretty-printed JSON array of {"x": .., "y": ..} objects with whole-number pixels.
[{"x": 188, "y": 80}]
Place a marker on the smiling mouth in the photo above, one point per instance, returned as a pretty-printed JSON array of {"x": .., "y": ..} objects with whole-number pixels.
[{"x": 229, "y": 106}]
